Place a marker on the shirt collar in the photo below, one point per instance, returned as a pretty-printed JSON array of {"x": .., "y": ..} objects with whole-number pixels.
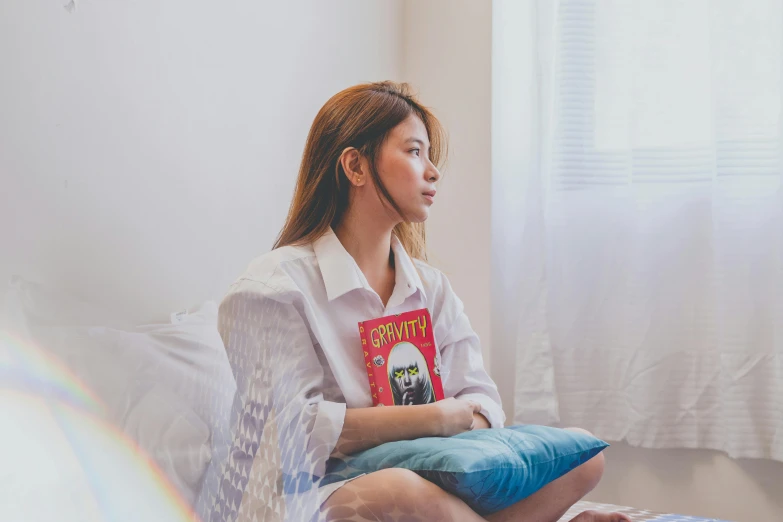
[
  {"x": 407, "y": 277},
  {"x": 341, "y": 274}
]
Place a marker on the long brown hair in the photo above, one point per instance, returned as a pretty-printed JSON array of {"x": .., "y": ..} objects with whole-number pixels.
[{"x": 361, "y": 117}]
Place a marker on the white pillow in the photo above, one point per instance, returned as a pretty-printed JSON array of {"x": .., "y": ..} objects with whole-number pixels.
[{"x": 167, "y": 386}]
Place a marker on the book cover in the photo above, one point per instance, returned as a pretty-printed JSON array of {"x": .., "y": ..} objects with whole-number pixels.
[{"x": 402, "y": 362}]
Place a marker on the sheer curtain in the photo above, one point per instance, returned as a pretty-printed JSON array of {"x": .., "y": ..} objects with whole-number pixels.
[{"x": 652, "y": 273}]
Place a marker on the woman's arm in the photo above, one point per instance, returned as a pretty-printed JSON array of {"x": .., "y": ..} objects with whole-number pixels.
[
  {"x": 279, "y": 404},
  {"x": 366, "y": 428},
  {"x": 480, "y": 422},
  {"x": 462, "y": 364}
]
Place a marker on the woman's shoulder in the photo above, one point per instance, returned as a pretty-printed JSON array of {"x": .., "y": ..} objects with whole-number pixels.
[
  {"x": 436, "y": 284},
  {"x": 446, "y": 307},
  {"x": 273, "y": 273}
]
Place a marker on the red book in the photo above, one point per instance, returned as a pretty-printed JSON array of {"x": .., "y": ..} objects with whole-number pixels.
[{"x": 401, "y": 360}]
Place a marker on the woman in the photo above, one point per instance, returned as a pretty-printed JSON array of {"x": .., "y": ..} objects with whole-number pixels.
[{"x": 353, "y": 248}]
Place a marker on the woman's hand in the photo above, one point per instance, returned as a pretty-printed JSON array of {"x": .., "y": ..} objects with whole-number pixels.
[
  {"x": 366, "y": 428},
  {"x": 454, "y": 416}
]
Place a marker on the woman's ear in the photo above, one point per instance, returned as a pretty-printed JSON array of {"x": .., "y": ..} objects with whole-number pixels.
[{"x": 353, "y": 166}]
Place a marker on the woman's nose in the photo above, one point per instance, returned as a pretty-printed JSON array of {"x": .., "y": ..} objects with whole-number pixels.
[{"x": 433, "y": 174}]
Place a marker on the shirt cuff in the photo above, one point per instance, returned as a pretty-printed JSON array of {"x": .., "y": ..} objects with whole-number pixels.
[
  {"x": 328, "y": 426},
  {"x": 489, "y": 408}
]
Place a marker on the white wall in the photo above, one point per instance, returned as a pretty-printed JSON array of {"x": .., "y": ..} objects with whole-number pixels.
[
  {"x": 448, "y": 46},
  {"x": 148, "y": 149},
  {"x": 452, "y": 75}
]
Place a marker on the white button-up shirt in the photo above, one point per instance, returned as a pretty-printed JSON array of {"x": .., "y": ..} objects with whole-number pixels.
[{"x": 327, "y": 295}]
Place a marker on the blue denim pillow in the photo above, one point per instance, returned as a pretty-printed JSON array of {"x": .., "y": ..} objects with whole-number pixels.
[{"x": 488, "y": 469}]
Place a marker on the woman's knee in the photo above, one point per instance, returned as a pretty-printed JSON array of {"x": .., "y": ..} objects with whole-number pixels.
[
  {"x": 408, "y": 492},
  {"x": 402, "y": 484},
  {"x": 380, "y": 493},
  {"x": 590, "y": 473}
]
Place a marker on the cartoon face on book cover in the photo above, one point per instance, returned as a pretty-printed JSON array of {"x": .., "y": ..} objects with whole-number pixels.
[{"x": 402, "y": 361}]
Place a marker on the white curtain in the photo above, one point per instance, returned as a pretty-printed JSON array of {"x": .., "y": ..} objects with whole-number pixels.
[{"x": 652, "y": 267}]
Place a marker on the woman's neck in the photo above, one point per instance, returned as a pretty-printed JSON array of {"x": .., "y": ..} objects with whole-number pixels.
[{"x": 369, "y": 243}]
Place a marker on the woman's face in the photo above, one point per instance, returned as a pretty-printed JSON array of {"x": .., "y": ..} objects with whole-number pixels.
[{"x": 406, "y": 171}]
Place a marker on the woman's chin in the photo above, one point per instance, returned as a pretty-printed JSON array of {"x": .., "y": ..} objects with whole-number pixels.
[{"x": 420, "y": 216}]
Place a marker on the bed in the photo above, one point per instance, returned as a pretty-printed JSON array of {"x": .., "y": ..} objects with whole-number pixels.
[
  {"x": 635, "y": 514},
  {"x": 152, "y": 384}
]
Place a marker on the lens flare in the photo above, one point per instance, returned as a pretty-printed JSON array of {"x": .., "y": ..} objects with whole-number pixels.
[{"x": 61, "y": 459}]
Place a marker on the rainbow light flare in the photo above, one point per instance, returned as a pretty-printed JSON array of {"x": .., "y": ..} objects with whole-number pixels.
[{"x": 61, "y": 459}]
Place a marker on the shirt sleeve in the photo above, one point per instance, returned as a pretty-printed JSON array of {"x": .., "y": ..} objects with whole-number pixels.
[
  {"x": 279, "y": 406},
  {"x": 462, "y": 364}
]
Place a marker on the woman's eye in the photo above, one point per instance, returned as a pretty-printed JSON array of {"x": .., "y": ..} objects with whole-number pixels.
[
  {"x": 415, "y": 151},
  {"x": 399, "y": 375}
]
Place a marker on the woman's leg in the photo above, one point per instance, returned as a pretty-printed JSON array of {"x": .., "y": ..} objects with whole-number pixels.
[{"x": 397, "y": 495}]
